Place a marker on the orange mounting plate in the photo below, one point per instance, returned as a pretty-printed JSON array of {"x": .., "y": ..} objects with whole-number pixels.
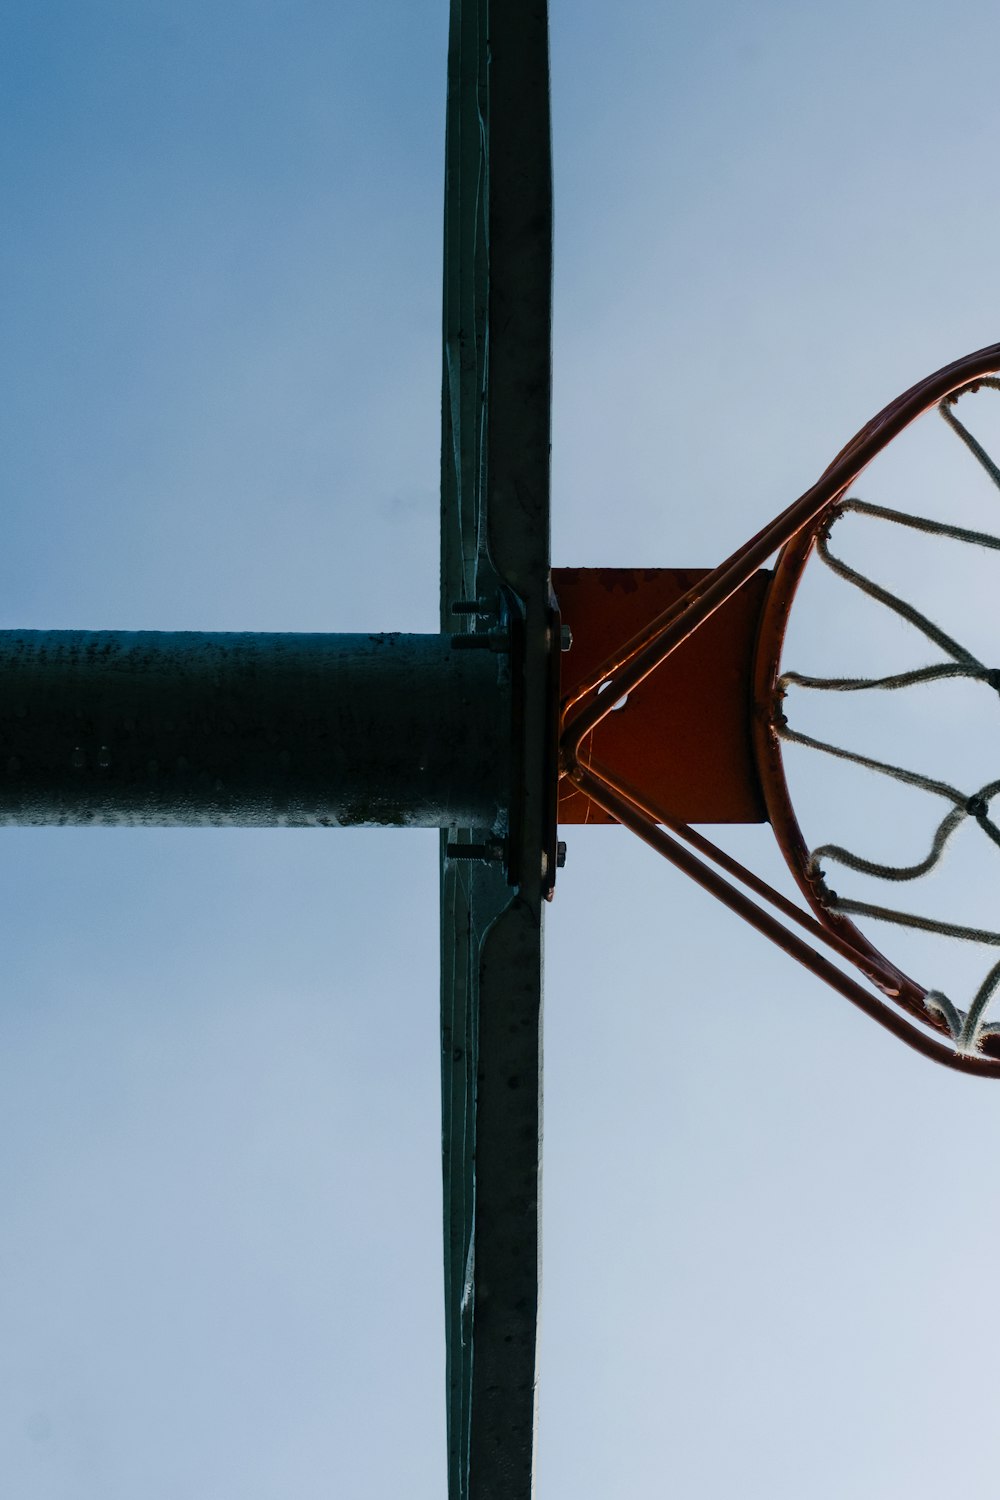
[{"x": 684, "y": 735}]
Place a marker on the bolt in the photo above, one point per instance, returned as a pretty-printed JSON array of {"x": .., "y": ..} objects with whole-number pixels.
[
  {"x": 471, "y": 607},
  {"x": 561, "y": 855},
  {"x": 565, "y": 638},
  {"x": 489, "y": 853}
]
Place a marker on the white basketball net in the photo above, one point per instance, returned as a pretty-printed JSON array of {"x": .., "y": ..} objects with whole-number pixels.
[{"x": 969, "y": 1026}]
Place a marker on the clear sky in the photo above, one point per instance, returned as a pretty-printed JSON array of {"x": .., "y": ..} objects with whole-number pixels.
[{"x": 770, "y": 1232}]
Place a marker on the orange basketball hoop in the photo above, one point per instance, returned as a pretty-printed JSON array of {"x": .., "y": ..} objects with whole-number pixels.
[{"x": 658, "y": 812}]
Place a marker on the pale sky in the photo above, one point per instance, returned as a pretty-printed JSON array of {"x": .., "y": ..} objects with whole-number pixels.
[{"x": 770, "y": 1233}]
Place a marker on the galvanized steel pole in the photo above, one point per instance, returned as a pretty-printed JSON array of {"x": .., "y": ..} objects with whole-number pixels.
[{"x": 105, "y": 727}]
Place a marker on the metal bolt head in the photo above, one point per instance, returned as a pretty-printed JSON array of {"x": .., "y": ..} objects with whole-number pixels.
[
  {"x": 560, "y": 855},
  {"x": 565, "y": 638}
]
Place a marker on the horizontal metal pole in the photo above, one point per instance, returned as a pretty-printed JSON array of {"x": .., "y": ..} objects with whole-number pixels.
[{"x": 181, "y": 729}]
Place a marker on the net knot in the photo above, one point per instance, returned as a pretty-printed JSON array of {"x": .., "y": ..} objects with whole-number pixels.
[{"x": 977, "y": 807}]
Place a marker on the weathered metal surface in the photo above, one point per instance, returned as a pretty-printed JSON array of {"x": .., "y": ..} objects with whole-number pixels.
[
  {"x": 684, "y": 736},
  {"x": 472, "y": 894},
  {"x": 495, "y": 535},
  {"x": 256, "y": 730}
]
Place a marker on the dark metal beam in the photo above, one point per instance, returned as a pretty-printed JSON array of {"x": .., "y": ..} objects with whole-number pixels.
[
  {"x": 495, "y": 534},
  {"x": 264, "y": 730}
]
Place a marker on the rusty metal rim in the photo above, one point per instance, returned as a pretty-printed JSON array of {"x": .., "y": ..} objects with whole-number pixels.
[
  {"x": 794, "y": 532},
  {"x": 794, "y": 556}
]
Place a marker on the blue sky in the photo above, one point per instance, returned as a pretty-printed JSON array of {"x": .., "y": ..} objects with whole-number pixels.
[{"x": 769, "y": 1236}]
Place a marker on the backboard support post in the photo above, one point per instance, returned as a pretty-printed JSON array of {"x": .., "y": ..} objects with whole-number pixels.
[
  {"x": 187, "y": 729},
  {"x": 495, "y": 535}
]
